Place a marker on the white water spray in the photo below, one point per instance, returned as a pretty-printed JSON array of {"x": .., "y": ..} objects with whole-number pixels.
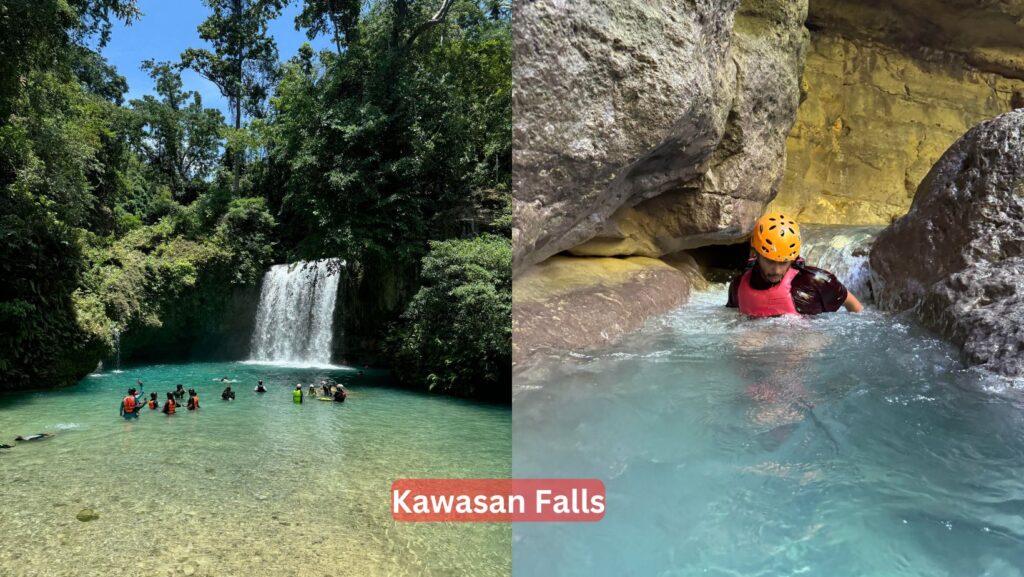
[{"x": 294, "y": 322}]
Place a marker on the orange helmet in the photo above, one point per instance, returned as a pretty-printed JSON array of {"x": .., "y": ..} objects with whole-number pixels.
[{"x": 776, "y": 237}]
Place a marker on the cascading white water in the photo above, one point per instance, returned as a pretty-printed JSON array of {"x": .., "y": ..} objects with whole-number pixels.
[
  {"x": 843, "y": 251},
  {"x": 294, "y": 322},
  {"x": 117, "y": 348}
]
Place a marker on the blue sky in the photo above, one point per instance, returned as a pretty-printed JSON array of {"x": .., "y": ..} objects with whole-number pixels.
[{"x": 168, "y": 27}]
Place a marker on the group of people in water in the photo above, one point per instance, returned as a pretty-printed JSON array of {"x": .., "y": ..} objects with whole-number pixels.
[
  {"x": 326, "y": 392},
  {"x": 132, "y": 404}
]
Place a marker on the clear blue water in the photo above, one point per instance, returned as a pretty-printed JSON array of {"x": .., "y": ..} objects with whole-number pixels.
[
  {"x": 843, "y": 445},
  {"x": 257, "y": 486}
]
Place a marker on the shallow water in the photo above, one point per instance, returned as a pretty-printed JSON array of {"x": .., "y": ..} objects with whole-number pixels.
[
  {"x": 257, "y": 486},
  {"x": 837, "y": 445}
]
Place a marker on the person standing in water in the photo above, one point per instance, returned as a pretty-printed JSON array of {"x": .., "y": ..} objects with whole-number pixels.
[
  {"x": 154, "y": 403},
  {"x": 260, "y": 388},
  {"x": 193, "y": 400},
  {"x": 170, "y": 405},
  {"x": 179, "y": 393},
  {"x": 777, "y": 282},
  {"x": 131, "y": 404},
  {"x": 297, "y": 394},
  {"x": 340, "y": 395},
  {"x": 228, "y": 394}
]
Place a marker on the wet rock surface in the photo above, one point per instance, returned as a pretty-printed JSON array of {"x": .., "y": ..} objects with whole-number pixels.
[
  {"x": 568, "y": 303},
  {"x": 956, "y": 260}
]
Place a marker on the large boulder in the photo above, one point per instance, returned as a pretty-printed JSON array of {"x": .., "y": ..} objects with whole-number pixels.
[
  {"x": 618, "y": 102},
  {"x": 745, "y": 169},
  {"x": 957, "y": 258}
]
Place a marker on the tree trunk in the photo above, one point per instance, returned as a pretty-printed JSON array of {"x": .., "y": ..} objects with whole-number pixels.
[{"x": 236, "y": 163}]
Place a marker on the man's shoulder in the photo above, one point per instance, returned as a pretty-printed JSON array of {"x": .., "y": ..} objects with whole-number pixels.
[{"x": 815, "y": 274}]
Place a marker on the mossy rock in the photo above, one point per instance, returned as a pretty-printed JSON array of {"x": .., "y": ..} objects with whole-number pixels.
[{"x": 87, "y": 515}]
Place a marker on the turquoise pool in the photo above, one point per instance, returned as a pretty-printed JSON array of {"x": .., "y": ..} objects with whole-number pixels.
[{"x": 257, "y": 486}]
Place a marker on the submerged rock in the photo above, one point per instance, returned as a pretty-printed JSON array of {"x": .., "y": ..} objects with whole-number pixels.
[
  {"x": 957, "y": 258},
  {"x": 87, "y": 515}
]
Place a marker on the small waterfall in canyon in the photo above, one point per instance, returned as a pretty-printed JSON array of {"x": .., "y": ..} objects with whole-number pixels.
[
  {"x": 295, "y": 318},
  {"x": 842, "y": 250}
]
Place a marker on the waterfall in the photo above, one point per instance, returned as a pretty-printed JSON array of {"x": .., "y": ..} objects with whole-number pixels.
[
  {"x": 295, "y": 318},
  {"x": 117, "y": 348},
  {"x": 842, "y": 250}
]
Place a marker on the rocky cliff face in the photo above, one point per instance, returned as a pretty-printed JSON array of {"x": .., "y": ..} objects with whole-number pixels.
[
  {"x": 887, "y": 88},
  {"x": 957, "y": 258},
  {"x": 640, "y": 129},
  {"x": 652, "y": 126}
]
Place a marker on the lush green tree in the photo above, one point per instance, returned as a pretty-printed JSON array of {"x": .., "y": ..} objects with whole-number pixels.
[
  {"x": 40, "y": 34},
  {"x": 176, "y": 135},
  {"x": 386, "y": 146},
  {"x": 246, "y": 232},
  {"x": 338, "y": 18},
  {"x": 243, "y": 63},
  {"x": 61, "y": 157},
  {"x": 457, "y": 336}
]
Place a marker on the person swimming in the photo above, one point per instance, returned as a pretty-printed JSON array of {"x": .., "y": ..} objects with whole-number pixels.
[
  {"x": 260, "y": 388},
  {"x": 170, "y": 405},
  {"x": 36, "y": 437}
]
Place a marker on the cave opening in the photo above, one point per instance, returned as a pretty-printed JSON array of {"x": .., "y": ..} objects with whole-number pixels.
[{"x": 720, "y": 262}]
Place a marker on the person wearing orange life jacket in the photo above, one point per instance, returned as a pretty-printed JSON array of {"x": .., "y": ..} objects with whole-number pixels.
[
  {"x": 778, "y": 282},
  {"x": 193, "y": 400},
  {"x": 153, "y": 402},
  {"x": 131, "y": 404},
  {"x": 170, "y": 405}
]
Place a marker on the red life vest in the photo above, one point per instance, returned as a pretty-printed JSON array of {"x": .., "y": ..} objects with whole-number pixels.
[
  {"x": 153, "y": 404},
  {"x": 775, "y": 301},
  {"x": 169, "y": 407},
  {"x": 129, "y": 404}
]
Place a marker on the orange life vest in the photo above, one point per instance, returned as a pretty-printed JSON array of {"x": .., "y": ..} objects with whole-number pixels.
[
  {"x": 170, "y": 406},
  {"x": 193, "y": 402},
  {"x": 129, "y": 404},
  {"x": 153, "y": 404}
]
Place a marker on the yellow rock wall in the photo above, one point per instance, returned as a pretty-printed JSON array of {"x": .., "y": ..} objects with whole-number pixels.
[{"x": 872, "y": 123}]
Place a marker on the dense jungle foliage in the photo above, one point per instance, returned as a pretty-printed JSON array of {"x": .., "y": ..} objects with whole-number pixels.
[{"x": 391, "y": 150}]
